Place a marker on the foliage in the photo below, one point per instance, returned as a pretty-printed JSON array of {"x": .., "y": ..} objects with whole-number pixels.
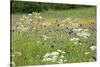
[{"x": 28, "y": 7}]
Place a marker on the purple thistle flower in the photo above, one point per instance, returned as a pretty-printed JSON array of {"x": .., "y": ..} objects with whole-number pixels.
[
  {"x": 25, "y": 59},
  {"x": 53, "y": 44},
  {"x": 12, "y": 30},
  {"x": 42, "y": 43},
  {"x": 92, "y": 44}
]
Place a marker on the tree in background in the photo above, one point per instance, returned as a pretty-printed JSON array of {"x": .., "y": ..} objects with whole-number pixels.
[{"x": 28, "y": 7}]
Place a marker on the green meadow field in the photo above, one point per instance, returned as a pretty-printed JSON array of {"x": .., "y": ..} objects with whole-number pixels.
[{"x": 53, "y": 37}]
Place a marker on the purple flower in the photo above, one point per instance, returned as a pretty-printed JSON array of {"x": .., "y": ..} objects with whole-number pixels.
[
  {"x": 53, "y": 44},
  {"x": 12, "y": 30}
]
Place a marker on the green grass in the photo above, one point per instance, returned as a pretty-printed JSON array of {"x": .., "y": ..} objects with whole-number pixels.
[
  {"x": 73, "y": 13},
  {"x": 33, "y": 52}
]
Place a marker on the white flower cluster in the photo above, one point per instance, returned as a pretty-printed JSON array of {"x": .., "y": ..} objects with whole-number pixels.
[
  {"x": 22, "y": 27},
  {"x": 45, "y": 37},
  {"x": 37, "y": 15},
  {"x": 93, "y": 47},
  {"x": 82, "y": 33},
  {"x": 86, "y": 53},
  {"x": 23, "y": 24},
  {"x": 75, "y": 40},
  {"x": 13, "y": 64},
  {"x": 70, "y": 23},
  {"x": 26, "y": 20},
  {"x": 54, "y": 57},
  {"x": 77, "y": 30}
]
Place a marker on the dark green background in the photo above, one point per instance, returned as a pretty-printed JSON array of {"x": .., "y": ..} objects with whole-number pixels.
[{"x": 28, "y": 7}]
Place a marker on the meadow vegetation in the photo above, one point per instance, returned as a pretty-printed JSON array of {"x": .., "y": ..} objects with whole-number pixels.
[{"x": 53, "y": 37}]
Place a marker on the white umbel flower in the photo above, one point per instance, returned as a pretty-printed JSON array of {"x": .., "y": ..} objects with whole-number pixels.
[
  {"x": 54, "y": 57},
  {"x": 93, "y": 47},
  {"x": 60, "y": 61},
  {"x": 86, "y": 53},
  {"x": 13, "y": 64},
  {"x": 38, "y": 41},
  {"x": 59, "y": 50},
  {"x": 45, "y": 37},
  {"x": 47, "y": 55},
  {"x": 63, "y": 52},
  {"x": 74, "y": 39},
  {"x": 30, "y": 14},
  {"x": 62, "y": 56},
  {"x": 55, "y": 53}
]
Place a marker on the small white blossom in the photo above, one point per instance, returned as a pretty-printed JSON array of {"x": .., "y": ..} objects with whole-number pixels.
[
  {"x": 13, "y": 64},
  {"x": 80, "y": 43},
  {"x": 84, "y": 34},
  {"x": 86, "y": 30},
  {"x": 54, "y": 58},
  {"x": 54, "y": 53},
  {"x": 25, "y": 29},
  {"x": 93, "y": 47},
  {"x": 77, "y": 30},
  {"x": 38, "y": 41},
  {"x": 75, "y": 42},
  {"x": 47, "y": 55},
  {"x": 63, "y": 52},
  {"x": 65, "y": 60},
  {"x": 33, "y": 12},
  {"x": 30, "y": 14},
  {"x": 68, "y": 19},
  {"x": 57, "y": 57},
  {"x": 85, "y": 37},
  {"x": 47, "y": 59},
  {"x": 40, "y": 17},
  {"x": 79, "y": 34},
  {"x": 45, "y": 37},
  {"x": 74, "y": 39},
  {"x": 86, "y": 53},
  {"x": 34, "y": 28},
  {"x": 13, "y": 55},
  {"x": 18, "y": 53},
  {"x": 59, "y": 50},
  {"x": 30, "y": 19},
  {"x": 60, "y": 61},
  {"x": 61, "y": 56}
]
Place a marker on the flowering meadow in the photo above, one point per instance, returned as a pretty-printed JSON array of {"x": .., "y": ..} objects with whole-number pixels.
[{"x": 53, "y": 37}]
